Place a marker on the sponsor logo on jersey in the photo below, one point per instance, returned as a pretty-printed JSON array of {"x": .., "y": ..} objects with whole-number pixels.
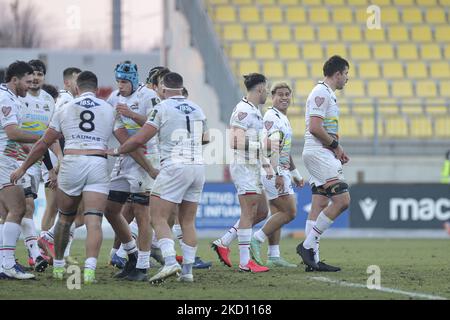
[
  {"x": 87, "y": 103},
  {"x": 319, "y": 101},
  {"x": 185, "y": 108},
  {"x": 268, "y": 124},
  {"x": 242, "y": 115}
]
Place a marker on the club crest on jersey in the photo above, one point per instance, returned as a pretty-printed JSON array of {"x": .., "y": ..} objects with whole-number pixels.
[
  {"x": 87, "y": 103},
  {"x": 268, "y": 124},
  {"x": 6, "y": 111},
  {"x": 242, "y": 115},
  {"x": 185, "y": 108},
  {"x": 46, "y": 108},
  {"x": 319, "y": 101}
]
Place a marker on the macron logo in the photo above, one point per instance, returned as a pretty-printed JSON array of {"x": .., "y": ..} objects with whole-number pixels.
[
  {"x": 368, "y": 206},
  {"x": 87, "y": 103}
]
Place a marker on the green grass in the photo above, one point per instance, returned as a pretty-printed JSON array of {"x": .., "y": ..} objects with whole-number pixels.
[{"x": 410, "y": 265}]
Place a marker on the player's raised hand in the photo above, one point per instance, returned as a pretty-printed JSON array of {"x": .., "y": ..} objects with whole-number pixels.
[
  {"x": 113, "y": 152},
  {"x": 16, "y": 175},
  {"x": 123, "y": 110}
]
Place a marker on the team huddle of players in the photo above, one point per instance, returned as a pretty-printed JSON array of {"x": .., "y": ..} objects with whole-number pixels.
[{"x": 157, "y": 180}]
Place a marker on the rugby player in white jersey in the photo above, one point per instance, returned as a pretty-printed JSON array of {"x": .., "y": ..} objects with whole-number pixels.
[
  {"x": 182, "y": 130},
  {"x": 118, "y": 253},
  {"x": 277, "y": 137},
  {"x": 131, "y": 176},
  {"x": 87, "y": 124},
  {"x": 48, "y": 223},
  {"x": 246, "y": 169},
  {"x": 38, "y": 109},
  {"x": 19, "y": 78},
  {"x": 324, "y": 157}
]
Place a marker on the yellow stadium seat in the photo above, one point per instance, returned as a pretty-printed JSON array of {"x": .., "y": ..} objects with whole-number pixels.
[
  {"x": 298, "y": 126},
  {"x": 389, "y": 15},
  {"x": 403, "y": 2},
  {"x": 272, "y": 15},
  {"x": 447, "y": 51},
  {"x": 242, "y": 2},
  {"x": 388, "y": 107},
  {"x": 249, "y": 14},
  {"x": 440, "y": 70},
  {"x": 273, "y": 69},
  {"x": 436, "y": 110},
  {"x": 360, "y": 51},
  {"x": 303, "y": 87},
  {"x": 430, "y": 52},
  {"x": 407, "y": 52},
  {"x": 369, "y": 70},
  {"x": 336, "y": 48},
  {"x": 304, "y": 33},
  {"x": 225, "y": 14},
  {"x": 288, "y": 51},
  {"x": 355, "y": 88},
  {"x": 412, "y": 109},
  {"x": 249, "y": 66},
  {"x": 312, "y": 2},
  {"x": 342, "y": 15},
  {"x": 335, "y": 3},
  {"x": 398, "y": 34},
  {"x": 328, "y": 33},
  {"x": 426, "y": 88},
  {"x": 435, "y": 16},
  {"x": 216, "y": 2},
  {"x": 241, "y": 50},
  {"x": 319, "y": 15},
  {"x": 296, "y": 15},
  {"x": 288, "y": 2},
  {"x": 416, "y": 70},
  {"x": 402, "y": 89},
  {"x": 362, "y": 109},
  {"x": 393, "y": 70},
  {"x": 421, "y": 127},
  {"x": 257, "y": 32},
  {"x": 442, "y": 33},
  {"x": 281, "y": 33},
  {"x": 348, "y": 127},
  {"x": 357, "y": 2},
  {"x": 297, "y": 69},
  {"x": 444, "y": 2},
  {"x": 421, "y": 34},
  {"x": 383, "y": 52},
  {"x": 378, "y": 89},
  {"x": 265, "y": 50},
  {"x": 442, "y": 127},
  {"x": 267, "y": 2},
  {"x": 351, "y": 33},
  {"x": 375, "y": 35},
  {"x": 233, "y": 32},
  {"x": 396, "y": 127},
  {"x": 316, "y": 70},
  {"x": 368, "y": 126},
  {"x": 427, "y": 3},
  {"x": 312, "y": 51},
  {"x": 412, "y": 15}
]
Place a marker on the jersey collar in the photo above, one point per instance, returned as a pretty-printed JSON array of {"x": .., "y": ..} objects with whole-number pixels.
[
  {"x": 248, "y": 102},
  {"x": 87, "y": 94},
  {"x": 4, "y": 87}
]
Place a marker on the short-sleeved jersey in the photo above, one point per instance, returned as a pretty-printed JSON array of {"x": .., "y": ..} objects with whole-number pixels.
[
  {"x": 181, "y": 125},
  {"x": 10, "y": 114},
  {"x": 37, "y": 112},
  {"x": 86, "y": 123},
  {"x": 141, "y": 101},
  {"x": 248, "y": 117},
  {"x": 64, "y": 98},
  {"x": 322, "y": 103},
  {"x": 277, "y": 122}
]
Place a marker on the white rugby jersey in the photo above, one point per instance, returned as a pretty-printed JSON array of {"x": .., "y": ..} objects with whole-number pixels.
[
  {"x": 322, "y": 103},
  {"x": 86, "y": 123},
  {"x": 37, "y": 112},
  {"x": 181, "y": 125},
  {"x": 248, "y": 117},
  {"x": 141, "y": 101},
  {"x": 10, "y": 113},
  {"x": 64, "y": 97},
  {"x": 276, "y": 121}
]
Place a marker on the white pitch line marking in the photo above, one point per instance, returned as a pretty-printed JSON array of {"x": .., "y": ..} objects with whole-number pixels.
[{"x": 389, "y": 290}]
